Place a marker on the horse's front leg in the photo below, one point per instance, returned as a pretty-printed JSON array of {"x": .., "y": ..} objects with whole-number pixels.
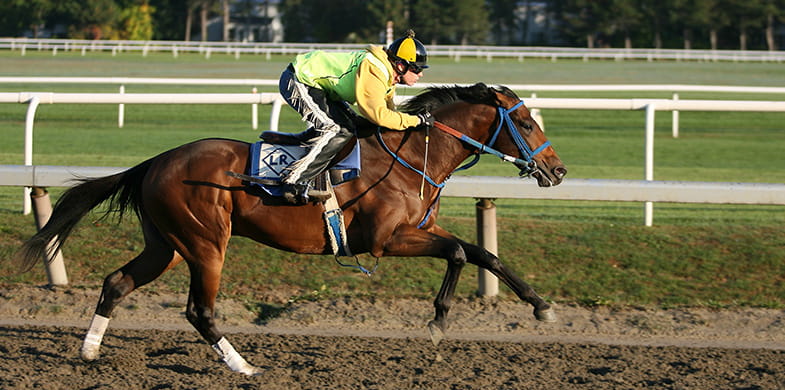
[
  {"x": 482, "y": 258},
  {"x": 410, "y": 241}
]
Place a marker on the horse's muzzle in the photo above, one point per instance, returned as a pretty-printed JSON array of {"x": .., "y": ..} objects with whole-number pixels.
[{"x": 549, "y": 177}]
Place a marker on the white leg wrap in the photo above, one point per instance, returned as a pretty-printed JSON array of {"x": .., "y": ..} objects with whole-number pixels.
[
  {"x": 95, "y": 334},
  {"x": 233, "y": 359}
]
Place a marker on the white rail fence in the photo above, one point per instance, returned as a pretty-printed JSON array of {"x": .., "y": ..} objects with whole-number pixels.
[
  {"x": 33, "y": 99},
  {"x": 489, "y": 187},
  {"x": 478, "y": 187},
  {"x": 456, "y": 52},
  {"x": 121, "y": 82}
]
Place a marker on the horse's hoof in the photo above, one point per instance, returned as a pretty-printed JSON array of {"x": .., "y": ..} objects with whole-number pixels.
[
  {"x": 436, "y": 333},
  {"x": 90, "y": 352},
  {"x": 545, "y": 315},
  {"x": 252, "y": 370}
]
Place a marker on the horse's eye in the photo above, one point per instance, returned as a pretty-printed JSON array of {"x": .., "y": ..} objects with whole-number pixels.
[{"x": 527, "y": 125}]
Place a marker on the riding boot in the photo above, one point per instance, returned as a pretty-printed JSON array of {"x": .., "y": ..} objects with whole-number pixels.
[{"x": 299, "y": 177}]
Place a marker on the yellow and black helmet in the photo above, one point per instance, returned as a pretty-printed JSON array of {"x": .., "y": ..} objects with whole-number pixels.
[{"x": 410, "y": 51}]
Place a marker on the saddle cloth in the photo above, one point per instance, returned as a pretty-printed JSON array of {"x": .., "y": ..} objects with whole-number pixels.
[{"x": 268, "y": 162}]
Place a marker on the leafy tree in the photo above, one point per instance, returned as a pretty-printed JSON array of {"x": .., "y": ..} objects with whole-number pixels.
[
  {"x": 379, "y": 12},
  {"x": 774, "y": 11},
  {"x": 657, "y": 13},
  {"x": 92, "y": 19},
  {"x": 169, "y": 19},
  {"x": 429, "y": 21},
  {"x": 585, "y": 19},
  {"x": 472, "y": 26},
  {"x": 624, "y": 17},
  {"x": 138, "y": 21},
  {"x": 19, "y": 15}
]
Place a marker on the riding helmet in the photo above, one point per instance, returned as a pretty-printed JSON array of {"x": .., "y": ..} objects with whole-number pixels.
[{"x": 409, "y": 50}]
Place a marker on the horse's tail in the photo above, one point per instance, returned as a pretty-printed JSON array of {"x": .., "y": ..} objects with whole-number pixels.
[{"x": 122, "y": 189}]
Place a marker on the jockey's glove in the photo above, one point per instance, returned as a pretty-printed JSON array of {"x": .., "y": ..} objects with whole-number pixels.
[{"x": 426, "y": 119}]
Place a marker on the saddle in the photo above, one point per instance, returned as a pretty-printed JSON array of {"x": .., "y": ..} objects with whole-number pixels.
[{"x": 276, "y": 151}]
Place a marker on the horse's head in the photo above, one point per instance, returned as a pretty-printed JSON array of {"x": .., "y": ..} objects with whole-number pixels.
[
  {"x": 518, "y": 134},
  {"x": 496, "y": 118}
]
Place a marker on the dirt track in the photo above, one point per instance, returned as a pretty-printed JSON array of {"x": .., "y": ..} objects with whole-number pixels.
[{"x": 352, "y": 343}]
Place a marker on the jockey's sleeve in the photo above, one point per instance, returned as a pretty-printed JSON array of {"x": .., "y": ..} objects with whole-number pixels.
[{"x": 375, "y": 99}]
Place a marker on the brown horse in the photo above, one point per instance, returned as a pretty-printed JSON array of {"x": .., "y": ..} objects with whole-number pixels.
[{"x": 189, "y": 207}]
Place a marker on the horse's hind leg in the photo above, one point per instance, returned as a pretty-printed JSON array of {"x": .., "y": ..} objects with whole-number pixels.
[
  {"x": 155, "y": 259},
  {"x": 482, "y": 258},
  {"x": 205, "y": 279}
]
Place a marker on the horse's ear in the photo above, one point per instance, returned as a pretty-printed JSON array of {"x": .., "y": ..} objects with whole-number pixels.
[{"x": 503, "y": 92}]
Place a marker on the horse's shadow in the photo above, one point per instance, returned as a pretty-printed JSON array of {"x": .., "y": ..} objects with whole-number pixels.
[{"x": 268, "y": 312}]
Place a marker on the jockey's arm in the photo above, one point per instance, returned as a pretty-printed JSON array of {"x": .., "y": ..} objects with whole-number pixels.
[{"x": 374, "y": 99}]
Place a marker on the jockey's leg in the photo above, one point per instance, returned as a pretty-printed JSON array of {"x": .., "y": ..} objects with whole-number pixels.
[
  {"x": 323, "y": 149},
  {"x": 333, "y": 124}
]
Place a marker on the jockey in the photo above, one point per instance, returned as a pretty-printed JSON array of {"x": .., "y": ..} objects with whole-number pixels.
[{"x": 320, "y": 86}]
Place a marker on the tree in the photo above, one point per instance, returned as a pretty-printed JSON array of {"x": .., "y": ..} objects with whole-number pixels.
[
  {"x": 428, "y": 19},
  {"x": 472, "y": 16},
  {"x": 747, "y": 14},
  {"x": 94, "y": 19},
  {"x": 379, "y": 13},
  {"x": 774, "y": 11},
  {"x": 583, "y": 18},
  {"x": 138, "y": 21},
  {"x": 205, "y": 6},
  {"x": 501, "y": 15},
  {"x": 24, "y": 14},
  {"x": 658, "y": 15},
  {"x": 625, "y": 17},
  {"x": 691, "y": 15}
]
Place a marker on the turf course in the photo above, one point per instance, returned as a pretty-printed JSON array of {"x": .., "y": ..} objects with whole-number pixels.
[{"x": 587, "y": 252}]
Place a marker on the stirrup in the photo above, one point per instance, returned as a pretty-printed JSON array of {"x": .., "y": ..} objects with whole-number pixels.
[
  {"x": 312, "y": 191},
  {"x": 296, "y": 194},
  {"x": 317, "y": 190}
]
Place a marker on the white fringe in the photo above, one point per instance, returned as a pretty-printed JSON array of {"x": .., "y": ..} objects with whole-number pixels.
[{"x": 322, "y": 123}]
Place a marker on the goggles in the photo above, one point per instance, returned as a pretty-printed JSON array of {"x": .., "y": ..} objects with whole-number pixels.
[{"x": 417, "y": 68}]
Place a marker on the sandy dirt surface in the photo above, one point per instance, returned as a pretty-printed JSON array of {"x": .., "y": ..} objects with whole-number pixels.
[{"x": 355, "y": 343}]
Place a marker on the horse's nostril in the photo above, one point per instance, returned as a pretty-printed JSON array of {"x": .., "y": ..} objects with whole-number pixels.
[{"x": 560, "y": 172}]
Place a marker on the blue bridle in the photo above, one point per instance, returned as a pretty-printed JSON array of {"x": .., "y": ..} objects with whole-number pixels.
[{"x": 526, "y": 164}]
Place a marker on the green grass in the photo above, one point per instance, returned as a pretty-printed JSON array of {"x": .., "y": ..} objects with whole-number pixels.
[{"x": 584, "y": 252}]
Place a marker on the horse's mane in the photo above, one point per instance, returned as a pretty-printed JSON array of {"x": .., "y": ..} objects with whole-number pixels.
[{"x": 436, "y": 97}]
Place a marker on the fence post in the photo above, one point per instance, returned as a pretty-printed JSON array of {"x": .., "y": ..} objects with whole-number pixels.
[
  {"x": 42, "y": 209},
  {"x": 121, "y": 110},
  {"x": 275, "y": 114},
  {"x": 29, "y": 120},
  {"x": 254, "y": 112},
  {"x": 675, "y": 126},
  {"x": 488, "y": 284},
  {"x": 649, "y": 157}
]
